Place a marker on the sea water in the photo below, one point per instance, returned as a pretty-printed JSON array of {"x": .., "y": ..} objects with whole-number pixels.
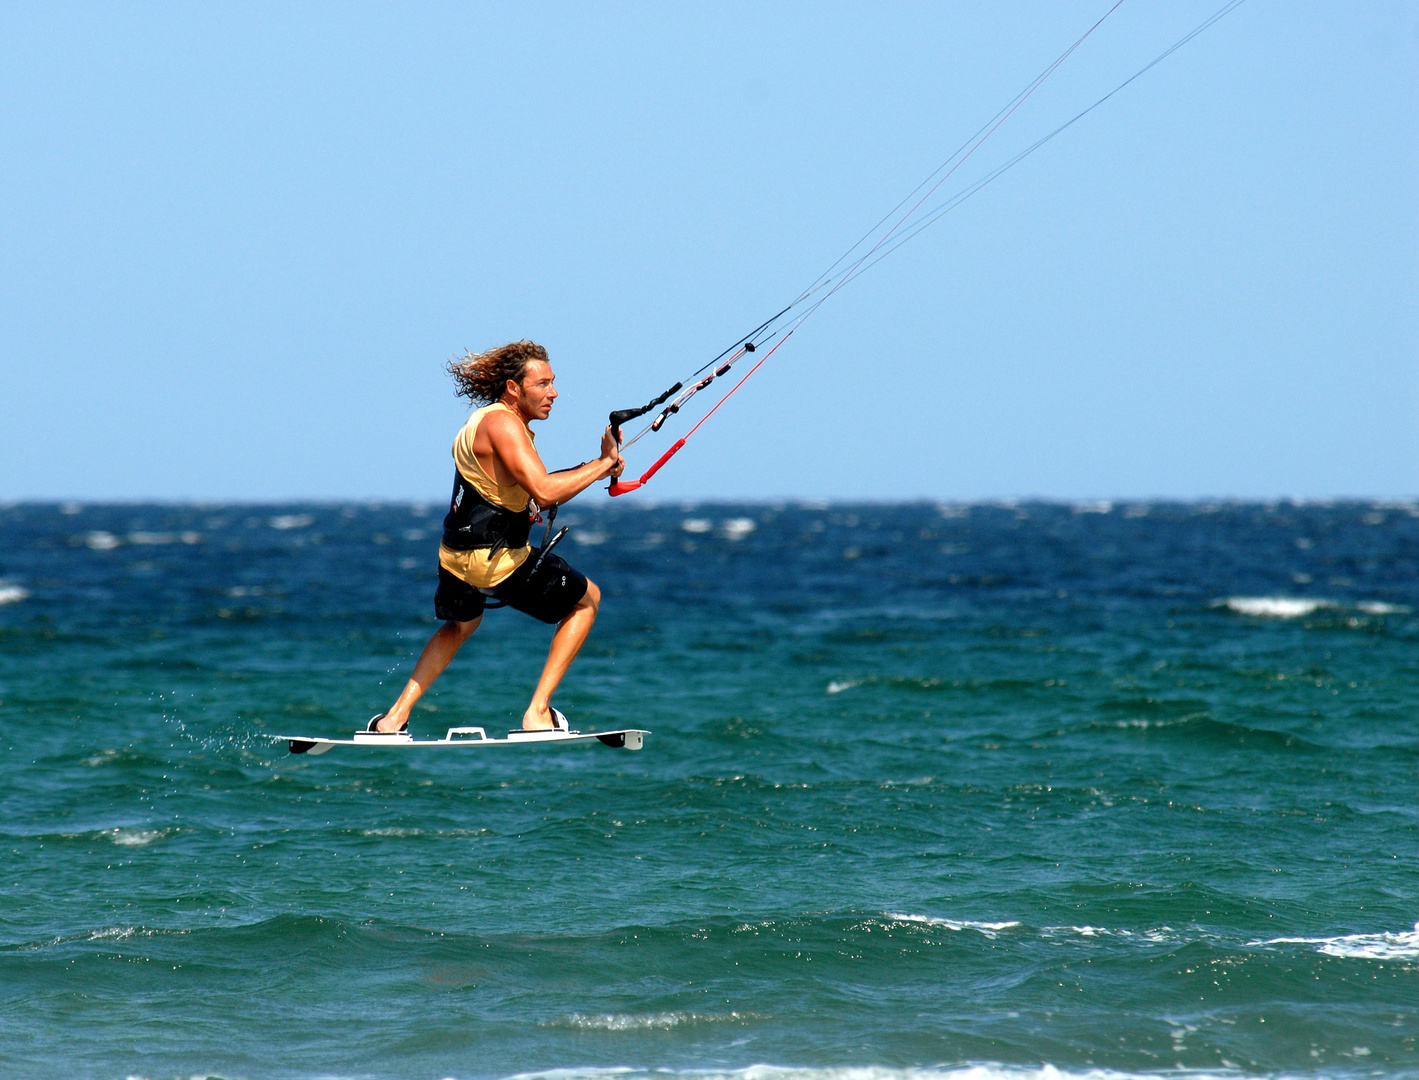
[{"x": 932, "y": 791}]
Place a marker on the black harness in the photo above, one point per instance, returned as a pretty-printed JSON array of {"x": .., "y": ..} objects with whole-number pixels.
[{"x": 473, "y": 522}]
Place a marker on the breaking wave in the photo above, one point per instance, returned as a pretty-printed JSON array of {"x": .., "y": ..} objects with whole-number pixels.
[{"x": 1403, "y": 945}]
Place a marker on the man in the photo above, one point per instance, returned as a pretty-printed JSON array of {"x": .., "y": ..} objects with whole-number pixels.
[{"x": 498, "y": 487}]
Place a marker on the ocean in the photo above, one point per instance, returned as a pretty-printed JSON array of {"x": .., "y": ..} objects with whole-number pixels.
[{"x": 977, "y": 791}]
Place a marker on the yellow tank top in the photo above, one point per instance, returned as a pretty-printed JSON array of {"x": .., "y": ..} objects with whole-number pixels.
[{"x": 475, "y": 567}]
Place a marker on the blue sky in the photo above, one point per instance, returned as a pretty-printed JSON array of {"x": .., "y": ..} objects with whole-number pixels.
[{"x": 240, "y": 242}]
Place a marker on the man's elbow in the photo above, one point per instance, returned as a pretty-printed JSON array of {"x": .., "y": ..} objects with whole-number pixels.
[{"x": 544, "y": 492}]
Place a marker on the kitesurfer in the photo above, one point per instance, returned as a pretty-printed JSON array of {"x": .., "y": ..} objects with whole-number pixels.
[{"x": 499, "y": 487}]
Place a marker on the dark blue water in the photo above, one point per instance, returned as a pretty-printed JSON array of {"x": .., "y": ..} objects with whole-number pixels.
[{"x": 974, "y": 791}]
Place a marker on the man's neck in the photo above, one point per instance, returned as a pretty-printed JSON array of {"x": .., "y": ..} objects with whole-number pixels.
[{"x": 512, "y": 408}]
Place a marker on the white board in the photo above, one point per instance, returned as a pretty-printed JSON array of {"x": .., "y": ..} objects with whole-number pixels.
[{"x": 462, "y": 737}]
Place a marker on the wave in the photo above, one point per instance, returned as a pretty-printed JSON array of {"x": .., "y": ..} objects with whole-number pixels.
[
  {"x": 1300, "y": 607},
  {"x": 988, "y": 929},
  {"x": 1378, "y": 607},
  {"x": 1204, "y": 730},
  {"x": 1274, "y": 607},
  {"x": 659, "y": 1021},
  {"x": 980, "y": 1071},
  {"x": 12, "y": 594},
  {"x": 1403, "y": 945},
  {"x": 135, "y": 837}
]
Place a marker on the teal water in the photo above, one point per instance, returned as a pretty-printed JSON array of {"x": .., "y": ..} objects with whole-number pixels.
[{"x": 970, "y": 791}]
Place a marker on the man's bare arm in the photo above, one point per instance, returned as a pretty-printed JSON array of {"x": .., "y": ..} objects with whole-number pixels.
[{"x": 516, "y": 454}]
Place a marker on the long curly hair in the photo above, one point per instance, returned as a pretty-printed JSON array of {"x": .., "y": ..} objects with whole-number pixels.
[{"x": 482, "y": 377}]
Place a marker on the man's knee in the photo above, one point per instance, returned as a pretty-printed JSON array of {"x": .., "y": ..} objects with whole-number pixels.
[
  {"x": 592, "y": 599},
  {"x": 464, "y": 630}
]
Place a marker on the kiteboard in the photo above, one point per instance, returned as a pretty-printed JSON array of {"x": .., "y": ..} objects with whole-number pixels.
[{"x": 465, "y": 737}]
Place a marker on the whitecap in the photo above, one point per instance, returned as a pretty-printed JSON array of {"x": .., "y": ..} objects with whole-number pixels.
[
  {"x": 979, "y": 1071},
  {"x": 99, "y": 540},
  {"x": 590, "y": 537},
  {"x": 737, "y": 528},
  {"x": 838, "y": 686},
  {"x": 140, "y": 536},
  {"x": 1377, "y": 607},
  {"x": 988, "y": 929},
  {"x": 135, "y": 837},
  {"x": 113, "y": 933},
  {"x": 1403, "y": 945},
  {"x": 292, "y": 521},
  {"x": 1101, "y": 506},
  {"x": 1275, "y": 607},
  {"x": 660, "y": 1021},
  {"x": 696, "y": 525},
  {"x": 12, "y": 594}
]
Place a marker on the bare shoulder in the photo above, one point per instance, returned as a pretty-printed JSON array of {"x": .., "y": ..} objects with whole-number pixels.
[
  {"x": 500, "y": 424},
  {"x": 504, "y": 430}
]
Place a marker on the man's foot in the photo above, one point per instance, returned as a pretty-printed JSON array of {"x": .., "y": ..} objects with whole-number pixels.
[
  {"x": 549, "y": 719},
  {"x": 373, "y": 727}
]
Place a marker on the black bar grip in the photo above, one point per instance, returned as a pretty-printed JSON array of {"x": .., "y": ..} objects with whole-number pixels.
[{"x": 620, "y": 416}]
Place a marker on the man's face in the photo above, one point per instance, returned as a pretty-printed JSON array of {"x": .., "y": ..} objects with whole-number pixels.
[{"x": 537, "y": 391}]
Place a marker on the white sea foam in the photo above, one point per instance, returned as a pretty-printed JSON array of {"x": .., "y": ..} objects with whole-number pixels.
[
  {"x": 660, "y": 1021},
  {"x": 1159, "y": 935},
  {"x": 988, "y": 929},
  {"x": 12, "y": 594},
  {"x": 1102, "y": 506},
  {"x": 136, "y": 837},
  {"x": 141, "y": 536},
  {"x": 590, "y": 537},
  {"x": 1275, "y": 607},
  {"x": 982, "y": 1071},
  {"x": 838, "y": 686},
  {"x": 737, "y": 528},
  {"x": 292, "y": 521},
  {"x": 1403, "y": 945},
  {"x": 101, "y": 541},
  {"x": 696, "y": 525},
  {"x": 1377, "y": 607},
  {"x": 398, "y": 832},
  {"x": 113, "y": 933}
]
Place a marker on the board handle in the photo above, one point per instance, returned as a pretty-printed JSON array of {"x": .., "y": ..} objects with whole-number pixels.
[{"x": 482, "y": 735}]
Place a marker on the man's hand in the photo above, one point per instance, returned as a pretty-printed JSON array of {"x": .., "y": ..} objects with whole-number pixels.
[
  {"x": 610, "y": 451},
  {"x": 610, "y": 445}
]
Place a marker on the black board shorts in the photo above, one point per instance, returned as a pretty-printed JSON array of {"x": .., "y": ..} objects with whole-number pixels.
[{"x": 548, "y": 594}]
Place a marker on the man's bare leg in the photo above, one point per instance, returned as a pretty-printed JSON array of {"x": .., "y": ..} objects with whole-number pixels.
[
  {"x": 442, "y": 647},
  {"x": 566, "y": 643}
]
